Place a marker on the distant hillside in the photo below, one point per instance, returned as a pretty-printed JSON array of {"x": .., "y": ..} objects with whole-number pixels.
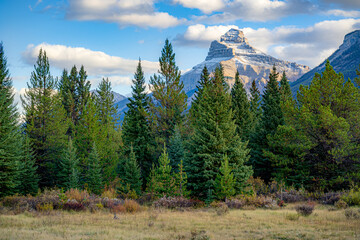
[{"x": 345, "y": 60}]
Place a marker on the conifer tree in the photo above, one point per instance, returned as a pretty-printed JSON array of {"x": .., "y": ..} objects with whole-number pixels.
[
  {"x": 10, "y": 138},
  {"x": 109, "y": 146},
  {"x": 46, "y": 121},
  {"x": 181, "y": 180},
  {"x": 132, "y": 174},
  {"x": 225, "y": 182},
  {"x": 215, "y": 135},
  {"x": 176, "y": 149},
  {"x": 29, "y": 179},
  {"x": 203, "y": 83},
  {"x": 161, "y": 181},
  {"x": 69, "y": 168},
  {"x": 93, "y": 174},
  {"x": 169, "y": 99},
  {"x": 241, "y": 107},
  {"x": 285, "y": 90},
  {"x": 255, "y": 108},
  {"x": 136, "y": 126},
  {"x": 271, "y": 118}
]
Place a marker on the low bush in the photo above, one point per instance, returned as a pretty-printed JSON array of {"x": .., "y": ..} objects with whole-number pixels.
[
  {"x": 78, "y": 195},
  {"x": 73, "y": 205},
  {"x": 291, "y": 196},
  {"x": 118, "y": 209},
  {"x": 235, "y": 203},
  {"x": 341, "y": 204},
  {"x": 178, "y": 202},
  {"x": 221, "y": 208},
  {"x": 50, "y": 196},
  {"x": 352, "y": 198},
  {"x": 109, "y": 192},
  {"x": 46, "y": 207},
  {"x": 352, "y": 214},
  {"x": 257, "y": 201},
  {"x": 330, "y": 198},
  {"x": 131, "y": 206},
  {"x": 304, "y": 209},
  {"x": 292, "y": 216}
]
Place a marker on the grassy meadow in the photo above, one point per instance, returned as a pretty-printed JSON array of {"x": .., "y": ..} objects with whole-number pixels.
[{"x": 198, "y": 224}]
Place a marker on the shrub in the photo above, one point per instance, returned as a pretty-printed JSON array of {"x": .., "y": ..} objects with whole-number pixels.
[
  {"x": 220, "y": 208},
  {"x": 50, "y": 196},
  {"x": 341, "y": 204},
  {"x": 74, "y": 206},
  {"x": 78, "y": 195},
  {"x": 304, "y": 209},
  {"x": 257, "y": 201},
  {"x": 352, "y": 214},
  {"x": 235, "y": 203},
  {"x": 352, "y": 198},
  {"x": 131, "y": 206},
  {"x": 178, "y": 202},
  {"x": 119, "y": 209},
  {"x": 46, "y": 207},
  {"x": 109, "y": 192},
  {"x": 330, "y": 198},
  {"x": 292, "y": 216},
  {"x": 291, "y": 196},
  {"x": 199, "y": 235}
]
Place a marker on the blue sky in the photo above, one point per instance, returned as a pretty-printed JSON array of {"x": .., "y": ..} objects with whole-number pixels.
[{"x": 109, "y": 36}]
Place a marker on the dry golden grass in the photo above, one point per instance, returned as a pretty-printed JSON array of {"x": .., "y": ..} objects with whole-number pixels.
[{"x": 166, "y": 224}]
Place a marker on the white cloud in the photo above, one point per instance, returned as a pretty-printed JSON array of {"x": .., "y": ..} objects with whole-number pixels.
[
  {"x": 139, "y": 13},
  {"x": 257, "y": 10},
  {"x": 95, "y": 62},
  {"x": 201, "y": 35},
  {"x": 206, "y": 6},
  {"x": 344, "y": 13},
  {"x": 308, "y": 46}
]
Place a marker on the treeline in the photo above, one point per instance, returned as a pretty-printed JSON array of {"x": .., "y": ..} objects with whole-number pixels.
[{"x": 71, "y": 137}]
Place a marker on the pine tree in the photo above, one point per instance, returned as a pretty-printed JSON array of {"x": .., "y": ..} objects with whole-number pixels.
[
  {"x": 255, "y": 108},
  {"x": 29, "y": 180},
  {"x": 176, "y": 149},
  {"x": 285, "y": 90},
  {"x": 45, "y": 119},
  {"x": 271, "y": 118},
  {"x": 136, "y": 126},
  {"x": 10, "y": 138},
  {"x": 161, "y": 181},
  {"x": 203, "y": 83},
  {"x": 181, "y": 180},
  {"x": 109, "y": 146},
  {"x": 69, "y": 168},
  {"x": 93, "y": 174},
  {"x": 215, "y": 135},
  {"x": 132, "y": 175},
  {"x": 225, "y": 182},
  {"x": 169, "y": 99},
  {"x": 241, "y": 107}
]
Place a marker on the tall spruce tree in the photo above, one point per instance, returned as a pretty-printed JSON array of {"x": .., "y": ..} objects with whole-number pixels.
[
  {"x": 29, "y": 179},
  {"x": 136, "y": 126},
  {"x": 46, "y": 121},
  {"x": 203, "y": 83},
  {"x": 169, "y": 99},
  {"x": 176, "y": 149},
  {"x": 69, "y": 168},
  {"x": 271, "y": 118},
  {"x": 10, "y": 138},
  {"x": 93, "y": 174},
  {"x": 214, "y": 136},
  {"x": 241, "y": 107},
  {"x": 109, "y": 146},
  {"x": 132, "y": 174},
  {"x": 285, "y": 90},
  {"x": 255, "y": 108}
]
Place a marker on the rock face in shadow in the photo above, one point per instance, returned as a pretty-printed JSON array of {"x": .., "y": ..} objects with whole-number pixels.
[
  {"x": 234, "y": 52},
  {"x": 345, "y": 60}
]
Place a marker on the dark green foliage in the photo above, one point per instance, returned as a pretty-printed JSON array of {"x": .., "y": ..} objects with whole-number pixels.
[
  {"x": 45, "y": 119},
  {"x": 285, "y": 91},
  {"x": 69, "y": 168},
  {"x": 225, "y": 182},
  {"x": 169, "y": 99},
  {"x": 136, "y": 126},
  {"x": 241, "y": 108},
  {"x": 271, "y": 118},
  {"x": 203, "y": 83},
  {"x": 255, "y": 108},
  {"x": 93, "y": 174},
  {"x": 132, "y": 175},
  {"x": 176, "y": 149},
  {"x": 214, "y": 136},
  {"x": 161, "y": 181},
  {"x": 108, "y": 142},
  {"x": 10, "y": 138},
  {"x": 29, "y": 179}
]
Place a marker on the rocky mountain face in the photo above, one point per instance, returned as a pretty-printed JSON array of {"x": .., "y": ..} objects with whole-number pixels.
[
  {"x": 234, "y": 52},
  {"x": 345, "y": 60}
]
